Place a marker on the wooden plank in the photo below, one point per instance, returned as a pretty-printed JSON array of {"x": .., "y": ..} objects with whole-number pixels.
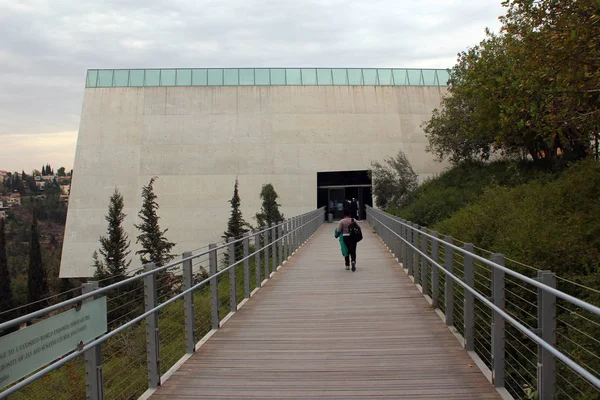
[{"x": 317, "y": 331}]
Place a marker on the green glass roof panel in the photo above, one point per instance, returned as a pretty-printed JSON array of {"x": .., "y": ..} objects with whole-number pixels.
[
  {"x": 105, "y": 78},
  {"x": 309, "y": 76},
  {"x": 91, "y": 78},
  {"x": 231, "y": 77},
  {"x": 246, "y": 77},
  {"x": 184, "y": 77},
  {"x": 167, "y": 77},
  {"x": 262, "y": 77},
  {"x": 429, "y": 77},
  {"x": 152, "y": 77},
  {"x": 136, "y": 77},
  {"x": 385, "y": 77},
  {"x": 121, "y": 78},
  {"x": 414, "y": 77},
  {"x": 199, "y": 77},
  {"x": 324, "y": 77},
  {"x": 355, "y": 77},
  {"x": 399, "y": 76},
  {"x": 340, "y": 76},
  {"x": 278, "y": 77},
  {"x": 293, "y": 77},
  {"x": 443, "y": 77},
  {"x": 215, "y": 77},
  {"x": 370, "y": 77}
]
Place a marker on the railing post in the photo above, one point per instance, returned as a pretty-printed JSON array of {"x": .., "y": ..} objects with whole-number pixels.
[
  {"x": 273, "y": 247},
  {"x": 267, "y": 247},
  {"x": 232, "y": 277},
  {"x": 424, "y": 263},
  {"x": 285, "y": 240},
  {"x": 400, "y": 242},
  {"x": 409, "y": 251},
  {"x": 188, "y": 304},
  {"x": 257, "y": 265},
  {"x": 547, "y": 326},
  {"x": 415, "y": 243},
  {"x": 435, "y": 287},
  {"x": 280, "y": 244},
  {"x": 94, "y": 389},
  {"x": 498, "y": 324},
  {"x": 295, "y": 235},
  {"x": 214, "y": 286},
  {"x": 246, "y": 265},
  {"x": 469, "y": 302},
  {"x": 152, "y": 343},
  {"x": 449, "y": 286}
]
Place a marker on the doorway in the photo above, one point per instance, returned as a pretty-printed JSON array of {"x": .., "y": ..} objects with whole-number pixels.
[{"x": 335, "y": 188}]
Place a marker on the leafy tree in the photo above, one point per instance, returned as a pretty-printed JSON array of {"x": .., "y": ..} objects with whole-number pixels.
[
  {"x": 269, "y": 212},
  {"x": 115, "y": 246},
  {"x": 531, "y": 91},
  {"x": 393, "y": 181},
  {"x": 61, "y": 171},
  {"x": 37, "y": 284},
  {"x": 236, "y": 226},
  {"x": 7, "y": 301},
  {"x": 155, "y": 246}
]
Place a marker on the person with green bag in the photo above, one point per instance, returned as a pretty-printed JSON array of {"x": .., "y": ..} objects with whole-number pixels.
[{"x": 347, "y": 241}]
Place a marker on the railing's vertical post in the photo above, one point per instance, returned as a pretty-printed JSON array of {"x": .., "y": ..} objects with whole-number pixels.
[
  {"x": 547, "y": 326},
  {"x": 400, "y": 242},
  {"x": 273, "y": 247},
  {"x": 435, "y": 287},
  {"x": 449, "y": 286},
  {"x": 409, "y": 251},
  {"x": 469, "y": 301},
  {"x": 257, "y": 265},
  {"x": 214, "y": 286},
  {"x": 286, "y": 239},
  {"x": 266, "y": 234},
  {"x": 188, "y": 304},
  {"x": 232, "y": 277},
  {"x": 424, "y": 263},
  {"x": 94, "y": 389},
  {"x": 246, "y": 265},
  {"x": 280, "y": 244},
  {"x": 152, "y": 343},
  {"x": 415, "y": 254},
  {"x": 498, "y": 324}
]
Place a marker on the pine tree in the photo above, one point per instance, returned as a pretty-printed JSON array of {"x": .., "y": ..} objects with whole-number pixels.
[
  {"x": 269, "y": 213},
  {"x": 155, "y": 246},
  {"x": 43, "y": 170},
  {"x": 37, "y": 284},
  {"x": 7, "y": 301},
  {"x": 113, "y": 247},
  {"x": 236, "y": 226}
]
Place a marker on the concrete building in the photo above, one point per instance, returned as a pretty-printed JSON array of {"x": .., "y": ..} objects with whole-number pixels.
[{"x": 303, "y": 130}]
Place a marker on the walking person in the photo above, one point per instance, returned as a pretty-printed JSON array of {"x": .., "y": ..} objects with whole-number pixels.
[
  {"x": 354, "y": 207},
  {"x": 347, "y": 240}
]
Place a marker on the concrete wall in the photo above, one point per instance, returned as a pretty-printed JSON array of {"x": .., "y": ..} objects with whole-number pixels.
[{"x": 196, "y": 140}]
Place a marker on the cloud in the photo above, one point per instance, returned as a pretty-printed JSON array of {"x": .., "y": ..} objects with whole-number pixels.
[{"x": 46, "y": 50}]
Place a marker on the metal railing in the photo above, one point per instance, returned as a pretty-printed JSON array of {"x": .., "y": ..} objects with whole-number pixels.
[
  {"x": 507, "y": 321},
  {"x": 160, "y": 316}
]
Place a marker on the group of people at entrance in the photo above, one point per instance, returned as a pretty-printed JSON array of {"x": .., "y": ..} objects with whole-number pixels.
[
  {"x": 349, "y": 234},
  {"x": 352, "y": 205}
]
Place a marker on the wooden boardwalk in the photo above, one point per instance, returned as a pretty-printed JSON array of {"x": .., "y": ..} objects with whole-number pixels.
[{"x": 317, "y": 331}]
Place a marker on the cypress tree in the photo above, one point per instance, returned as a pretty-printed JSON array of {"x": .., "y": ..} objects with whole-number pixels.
[
  {"x": 155, "y": 246},
  {"x": 269, "y": 212},
  {"x": 236, "y": 226},
  {"x": 37, "y": 284},
  {"x": 115, "y": 246},
  {"x": 7, "y": 301}
]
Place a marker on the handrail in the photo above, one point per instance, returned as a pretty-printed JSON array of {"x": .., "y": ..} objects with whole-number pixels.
[
  {"x": 574, "y": 300},
  {"x": 528, "y": 332},
  {"x": 139, "y": 318},
  {"x": 75, "y": 300}
]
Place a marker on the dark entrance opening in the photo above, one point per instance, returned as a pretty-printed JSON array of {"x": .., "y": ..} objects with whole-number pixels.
[{"x": 334, "y": 188}]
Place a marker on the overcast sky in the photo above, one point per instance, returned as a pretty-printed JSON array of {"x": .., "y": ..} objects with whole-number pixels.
[{"x": 46, "y": 46}]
